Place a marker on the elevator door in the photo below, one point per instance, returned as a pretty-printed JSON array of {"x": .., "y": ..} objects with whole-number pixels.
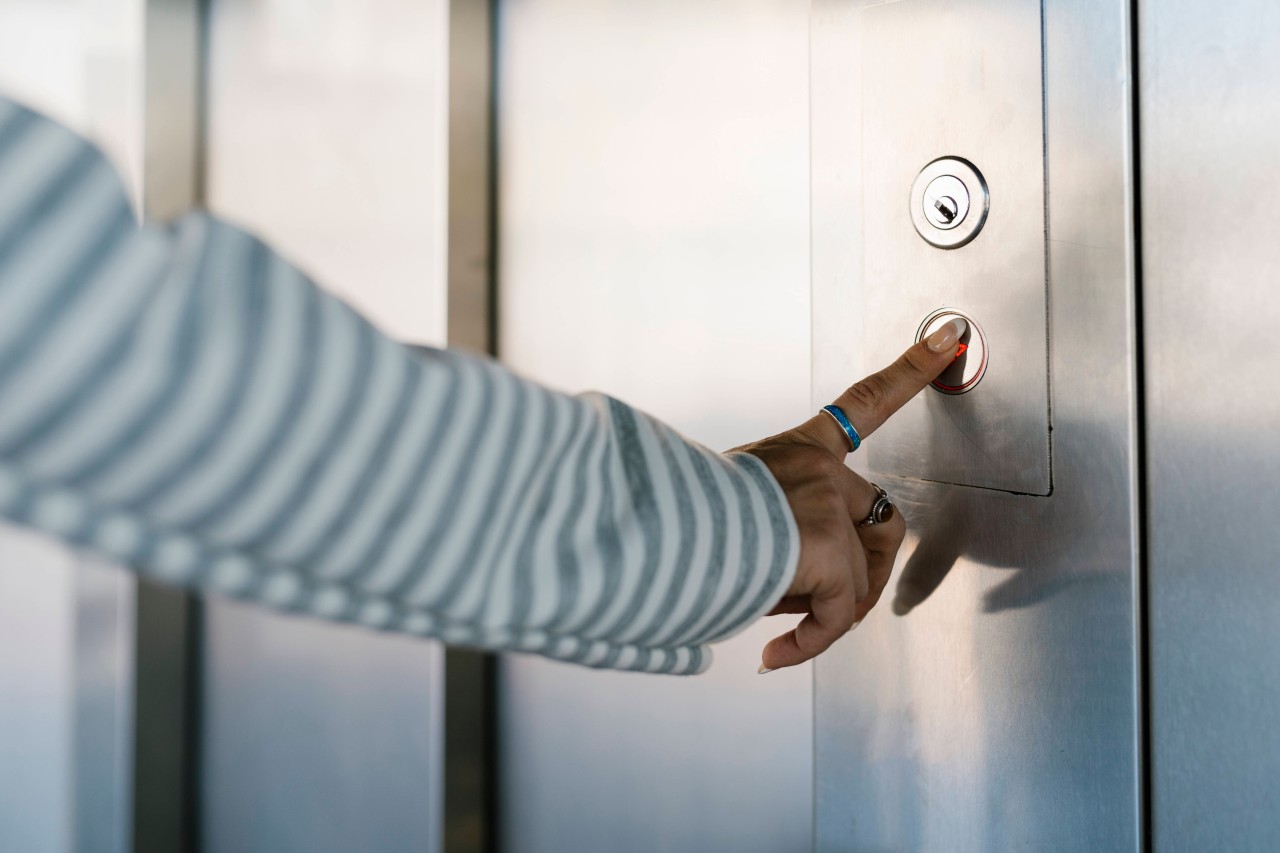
[
  {"x": 1209, "y": 113},
  {"x": 993, "y": 701}
]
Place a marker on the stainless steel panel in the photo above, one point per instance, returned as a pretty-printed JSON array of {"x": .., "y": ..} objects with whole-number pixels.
[
  {"x": 1001, "y": 712},
  {"x": 1210, "y": 130},
  {"x": 105, "y": 734},
  {"x": 317, "y": 737},
  {"x": 653, "y": 213},
  {"x": 327, "y": 134},
  {"x": 960, "y": 80},
  {"x": 37, "y": 693}
]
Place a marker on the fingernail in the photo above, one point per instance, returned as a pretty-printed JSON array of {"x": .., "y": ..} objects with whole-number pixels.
[
  {"x": 763, "y": 669},
  {"x": 855, "y": 625},
  {"x": 946, "y": 337}
]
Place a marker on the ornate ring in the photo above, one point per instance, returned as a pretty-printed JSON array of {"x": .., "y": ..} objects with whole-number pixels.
[{"x": 881, "y": 510}]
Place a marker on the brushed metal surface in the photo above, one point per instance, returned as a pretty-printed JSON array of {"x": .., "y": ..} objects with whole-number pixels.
[
  {"x": 38, "y": 611},
  {"x": 653, "y": 236},
  {"x": 317, "y": 738},
  {"x": 941, "y": 78},
  {"x": 1210, "y": 130},
  {"x": 1002, "y": 711}
]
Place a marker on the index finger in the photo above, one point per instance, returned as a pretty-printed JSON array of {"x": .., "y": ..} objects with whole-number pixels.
[{"x": 869, "y": 403}]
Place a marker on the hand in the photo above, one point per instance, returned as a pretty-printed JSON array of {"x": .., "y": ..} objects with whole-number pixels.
[{"x": 843, "y": 568}]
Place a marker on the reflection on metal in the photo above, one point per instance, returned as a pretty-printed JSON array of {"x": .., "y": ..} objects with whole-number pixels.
[
  {"x": 1210, "y": 129},
  {"x": 996, "y": 706},
  {"x": 929, "y": 95}
]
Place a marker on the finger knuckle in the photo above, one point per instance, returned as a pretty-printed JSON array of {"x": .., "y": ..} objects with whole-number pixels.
[
  {"x": 861, "y": 584},
  {"x": 848, "y": 616},
  {"x": 916, "y": 364},
  {"x": 828, "y": 550},
  {"x": 836, "y": 509},
  {"x": 869, "y": 394},
  {"x": 818, "y": 461},
  {"x": 897, "y": 529},
  {"x": 809, "y": 462}
]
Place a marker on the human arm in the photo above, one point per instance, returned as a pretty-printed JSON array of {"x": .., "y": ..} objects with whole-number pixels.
[{"x": 187, "y": 403}]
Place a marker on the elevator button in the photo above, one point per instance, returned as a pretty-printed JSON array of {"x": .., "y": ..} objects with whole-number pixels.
[{"x": 970, "y": 364}]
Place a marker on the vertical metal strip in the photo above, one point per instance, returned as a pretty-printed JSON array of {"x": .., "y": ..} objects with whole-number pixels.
[
  {"x": 1141, "y": 520},
  {"x": 470, "y": 175},
  {"x": 470, "y": 765},
  {"x": 103, "y": 712},
  {"x": 163, "y": 751},
  {"x": 167, "y": 619}
]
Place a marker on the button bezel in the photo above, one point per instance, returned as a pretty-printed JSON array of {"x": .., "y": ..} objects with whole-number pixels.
[{"x": 976, "y": 357}]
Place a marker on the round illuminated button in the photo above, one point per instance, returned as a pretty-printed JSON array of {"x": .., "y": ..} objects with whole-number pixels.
[{"x": 970, "y": 364}]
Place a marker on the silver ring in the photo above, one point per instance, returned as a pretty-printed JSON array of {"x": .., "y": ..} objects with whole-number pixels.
[{"x": 881, "y": 510}]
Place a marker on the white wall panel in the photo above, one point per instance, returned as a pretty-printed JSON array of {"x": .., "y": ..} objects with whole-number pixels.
[{"x": 653, "y": 244}]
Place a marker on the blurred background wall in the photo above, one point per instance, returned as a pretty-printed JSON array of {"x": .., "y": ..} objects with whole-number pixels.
[
  {"x": 326, "y": 134},
  {"x": 650, "y": 203},
  {"x": 66, "y": 622},
  {"x": 653, "y": 227},
  {"x": 323, "y": 128}
]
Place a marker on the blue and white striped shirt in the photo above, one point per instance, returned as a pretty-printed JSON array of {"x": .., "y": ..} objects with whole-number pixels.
[{"x": 187, "y": 403}]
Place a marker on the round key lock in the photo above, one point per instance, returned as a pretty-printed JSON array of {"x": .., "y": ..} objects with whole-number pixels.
[{"x": 949, "y": 202}]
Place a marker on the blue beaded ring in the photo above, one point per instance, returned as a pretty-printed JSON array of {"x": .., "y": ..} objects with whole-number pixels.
[{"x": 836, "y": 412}]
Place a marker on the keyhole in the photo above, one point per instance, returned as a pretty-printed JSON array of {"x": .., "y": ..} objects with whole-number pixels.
[{"x": 947, "y": 207}]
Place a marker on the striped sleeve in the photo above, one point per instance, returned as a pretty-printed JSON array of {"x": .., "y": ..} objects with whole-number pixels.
[{"x": 188, "y": 404}]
